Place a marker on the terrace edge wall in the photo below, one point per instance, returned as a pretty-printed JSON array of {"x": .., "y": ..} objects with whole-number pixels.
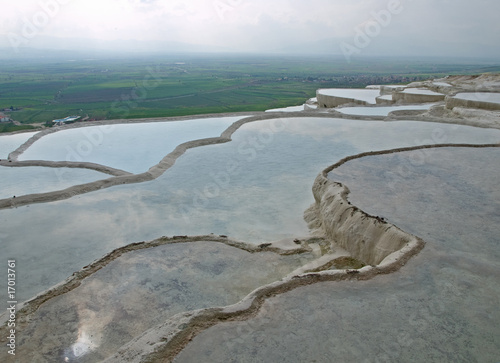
[
  {"x": 325, "y": 101},
  {"x": 368, "y": 238},
  {"x": 416, "y": 98},
  {"x": 452, "y": 102}
]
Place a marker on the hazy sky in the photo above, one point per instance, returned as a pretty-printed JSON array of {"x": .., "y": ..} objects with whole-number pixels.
[{"x": 353, "y": 27}]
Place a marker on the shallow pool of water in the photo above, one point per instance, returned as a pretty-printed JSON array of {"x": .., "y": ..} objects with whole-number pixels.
[
  {"x": 254, "y": 188},
  {"x": 9, "y": 143},
  {"x": 381, "y": 111},
  {"x": 30, "y": 180},
  {"x": 442, "y": 306},
  {"x": 479, "y": 96},
  {"x": 287, "y": 109},
  {"x": 421, "y": 91},
  {"x": 141, "y": 289},
  {"x": 130, "y": 147}
]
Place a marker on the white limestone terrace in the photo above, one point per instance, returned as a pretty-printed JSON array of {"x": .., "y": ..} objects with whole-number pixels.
[
  {"x": 384, "y": 246},
  {"x": 312, "y": 102},
  {"x": 134, "y": 147},
  {"x": 333, "y": 97},
  {"x": 475, "y": 98},
  {"x": 374, "y": 94},
  {"x": 310, "y": 105},
  {"x": 389, "y": 89},
  {"x": 287, "y": 109},
  {"x": 488, "y": 82},
  {"x": 421, "y": 91},
  {"x": 442, "y": 84},
  {"x": 382, "y": 110},
  {"x": 388, "y": 86},
  {"x": 481, "y": 100},
  {"x": 441, "y": 307},
  {"x": 385, "y": 100},
  {"x": 417, "y": 95},
  {"x": 479, "y": 96}
]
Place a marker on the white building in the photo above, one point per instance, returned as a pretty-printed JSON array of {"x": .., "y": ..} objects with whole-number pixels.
[{"x": 62, "y": 121}]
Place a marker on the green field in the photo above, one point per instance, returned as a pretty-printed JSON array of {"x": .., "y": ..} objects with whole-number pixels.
[{"x": 38, "y": 91}]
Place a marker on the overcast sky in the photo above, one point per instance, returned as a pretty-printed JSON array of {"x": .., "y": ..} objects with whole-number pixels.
[{"x": 353, "y": 27}]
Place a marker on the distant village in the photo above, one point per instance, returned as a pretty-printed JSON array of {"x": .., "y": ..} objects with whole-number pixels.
[{"x": 4, "y": 117}]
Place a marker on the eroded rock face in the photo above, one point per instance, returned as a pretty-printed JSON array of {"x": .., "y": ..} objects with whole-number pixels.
[{"x": 369, "y": 239}]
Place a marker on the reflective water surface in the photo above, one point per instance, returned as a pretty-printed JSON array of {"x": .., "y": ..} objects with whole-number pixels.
[
  {"x": 287, "y": 109},
  {"x": 480, "y": 96},
  {"x": 141, "y": 289},
  {"x": 421, "y": 91},
  {"x": 254, "y": 189},
  {"x": 9, "y": 143},
  {"x": 440, "y": 307},
  {"x": 29, "y": 180},
  {"x": 131, "y": 147},
  {"x": 381, "y": 111}
]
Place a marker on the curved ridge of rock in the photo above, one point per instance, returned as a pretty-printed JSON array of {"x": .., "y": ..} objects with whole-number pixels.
[
  {"x": 368, "y": 238},
  {"x": 65, "y": 164}
]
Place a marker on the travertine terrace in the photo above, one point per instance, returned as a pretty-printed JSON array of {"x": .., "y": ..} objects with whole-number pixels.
[{"x": 226, "y": 279}]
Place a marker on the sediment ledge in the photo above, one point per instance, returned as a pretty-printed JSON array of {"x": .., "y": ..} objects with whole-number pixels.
[
  {"x": 384, "y": 246},
  {"x": 327, "y": 101},
  {"x": 368, "y": 238},
  {"x": 65, "y": 164},
  {"x": 408, "y": 97},
  {"x": 452, "y": 102}
]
